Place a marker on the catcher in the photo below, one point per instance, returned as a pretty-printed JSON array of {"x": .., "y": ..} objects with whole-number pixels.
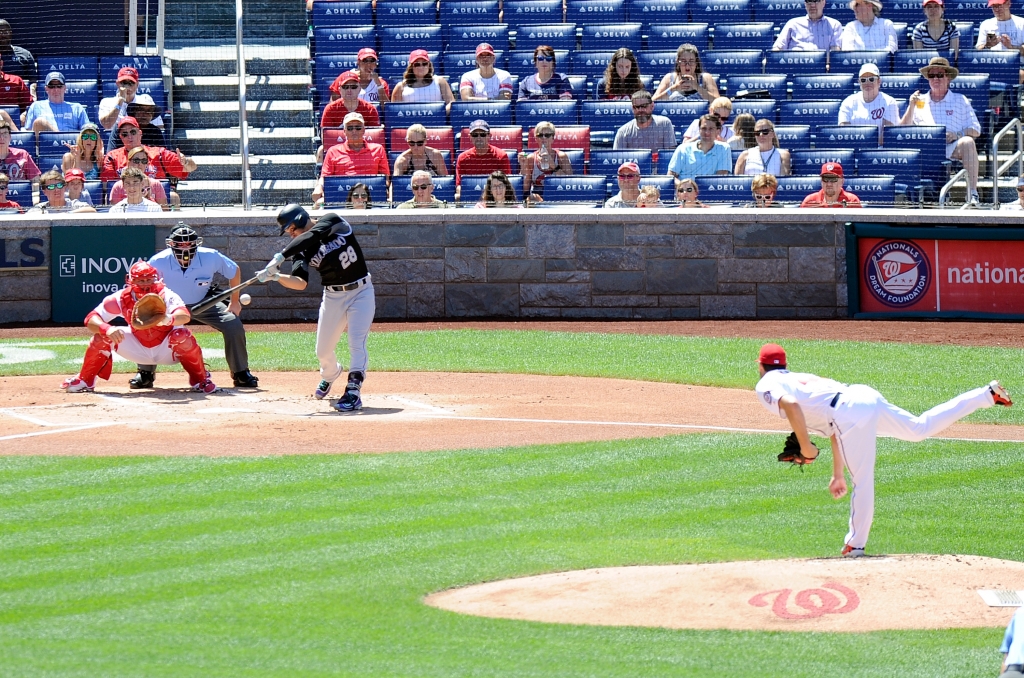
[
  {"x": 853, "y": 415},
  {"x": 155, "y": 335}
]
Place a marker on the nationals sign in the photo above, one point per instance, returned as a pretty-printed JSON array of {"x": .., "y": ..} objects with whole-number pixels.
[{"x": 899, "y": 275}]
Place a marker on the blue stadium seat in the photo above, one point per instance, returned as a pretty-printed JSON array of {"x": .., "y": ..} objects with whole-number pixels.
[
  {"x": 658, "y": 62},
  {"x": 969, "y": 10},
  {"x": 796, "y": 63},
  {"x": 903, "y": 163},
  {"x": 813, "y": 113},
  {"x": 719, "y": 61},
  {"x": 20, "y": 192},
  {"x": 724, "y": 189},
  {"x": 558, "y": 36},
  {"x": 26, "y": 141},
  {"x": 457, "y": 64},
  {"x": 520, "y": 12},
  {"x": 465, "y": 38},
  {"x": 664, "y": 157},
  {"x": 85, "y": 92},
  {"x": 649, "y": 12},
  {"x": 775, "y": 85},
  {"x": 497, "y": 113},
  {"x": 666, "y": 185},
  {"x": 73, "y": 67},
  {"x": 406, "y": 12},
  {"x": 910, "y": 60},
  {"x": 520, "y": 62},
  {"x": 681, "y": 113},
  {"x": 759, "y": 108},
  {"x": 469, "y": 12},
  {"x": 15, "y": 112},
  {"x": 646, "y": 80},
  {"x": 902, "y": 34},
  {"x": 421, "y": 37},
  {"x": 334, "y": 13},
  {"x": 906, "y": 11},
  {"x": 429, "y": 114},
  {"x": 759, "y": 35},
  {"x": 902, "y": 85},
  {"x": 873, "y": 191},
  {"x": 336, "y": 188},
  {"x": 1002, "y": 66},
  {"x": 670, "y": 36},
  {"x": 811, "y": 87},
  {"x": 578, "y": 83},
  {"x": 148, "y": 67},
  {"x": 391, "y": 66},
  {"x": 342, "y": 39},
  {"x": 327, "y": 67},
  {"x": 809, "y": 162},
  {"x": 851, "y": 61},
  {"x": 590, "y": 188},
  {"x": 95, "y": 191},
  {"x": 966, "y": 29},
  {"x": 793, "y": 136},
  {"x": 55, "y": 144},
  {"x": 577, "y": 156},
  {"x": 588, "y": 12},
  {"x": 48, "y": 162},
  {"x": 712, "y": 11},
  {"x": 559, "y": 112},
  {"x": 858, "y": 137},
  {"x": 473, "y": 188},
  {"x": 778, "y": 11},
  {"x": 607, "y": 162},
  {"x": 930, "y": 139},
  {"x": 794, "y": 189},
  {"x": 444, "y": 189},
  {"x": 605, "y": 118},
  {"x": 590, "y": 64},
  {"x": 974, "y": 86},
  {"x": 600, "y": 37}
]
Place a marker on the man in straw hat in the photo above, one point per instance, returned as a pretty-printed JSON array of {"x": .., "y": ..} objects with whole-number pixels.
[{"x": 952, "y": 109}]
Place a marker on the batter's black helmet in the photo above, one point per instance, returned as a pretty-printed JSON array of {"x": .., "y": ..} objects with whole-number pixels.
[
  {"x": 292, "y": 215},
  {"x": 184, "y": 242}
]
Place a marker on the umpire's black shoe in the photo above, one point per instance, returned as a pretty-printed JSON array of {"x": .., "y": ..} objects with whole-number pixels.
[
  {"x": 144, "y": 379},
  {"x": 245, "y": 379}
]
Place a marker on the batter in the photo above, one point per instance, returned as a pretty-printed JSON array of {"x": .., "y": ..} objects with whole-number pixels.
[
  {"x": 329, "y": 246},
  {"x": 853, "y": 415}
]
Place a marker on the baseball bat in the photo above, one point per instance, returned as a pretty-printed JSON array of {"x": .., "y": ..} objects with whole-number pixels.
[{"x": 217, "y": 298}]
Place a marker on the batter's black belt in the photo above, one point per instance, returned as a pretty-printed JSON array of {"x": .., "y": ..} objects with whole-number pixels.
[
  {"x": 835, "y": 399},
  {"x": 350, "y": 286}
]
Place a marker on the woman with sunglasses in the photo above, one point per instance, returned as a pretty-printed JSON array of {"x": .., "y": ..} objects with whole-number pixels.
[
  {"x": 686, "y": 193},
  {"x": 545, "y": 160},
  {"x": 419, "y": 156},
  {"x": 498, "y": 192},
  {"x": 151, "y": 190},
  {"x": 688, "y": 82},
  {"x": 420, "y": 85},
  {"x": 545, "y": 83},
  {"x": 86, "y": 154},
  {"x": 622, "y": 77},
  {"x": 763, "y": 189},
  {"x": 358, "y": 197},
  {"x": 766, "y": 156},
  {"x": 936, "y": 31}
]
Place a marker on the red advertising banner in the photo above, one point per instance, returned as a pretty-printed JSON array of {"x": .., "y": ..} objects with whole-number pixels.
[{"x": 899, "y": 275}]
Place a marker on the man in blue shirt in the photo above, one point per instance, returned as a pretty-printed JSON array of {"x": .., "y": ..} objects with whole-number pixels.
[
  {"x": 1013, "y": 647},
  {"x": 707, "y": 155},
  {"x": 52, "y": 114},
  {"x": 188, "y": 270}
]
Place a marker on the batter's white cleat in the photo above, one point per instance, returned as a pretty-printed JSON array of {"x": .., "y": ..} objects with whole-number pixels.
[
  {"x": 206, "y": 386},
  {"x": 1000, "y": 396},
  {"x": 851, "y": 552},
  {"x": 77, "y": 385}
]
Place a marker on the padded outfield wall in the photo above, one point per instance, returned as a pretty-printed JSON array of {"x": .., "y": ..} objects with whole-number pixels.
[{"x": 542, "y": 263}]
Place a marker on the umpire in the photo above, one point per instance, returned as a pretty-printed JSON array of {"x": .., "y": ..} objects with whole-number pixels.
[{"x": 188, "y": 270}]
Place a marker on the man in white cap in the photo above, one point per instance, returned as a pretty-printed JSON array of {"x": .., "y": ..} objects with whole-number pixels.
[
  {"x": 52, "y": 114},
  {"x": 809, "y": 33},
  {"x": 870, "y": 106},
  {"x": 485, "y": 82},
  {"x": 352, "y": 157}
]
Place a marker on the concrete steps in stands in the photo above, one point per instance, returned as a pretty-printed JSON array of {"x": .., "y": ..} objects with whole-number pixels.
[
  {"x": 191, "y": 114},
  {"x": 215, "y": 19},
  {"x": 278, "y": 192},
  {"x": 269, "y": 167}
]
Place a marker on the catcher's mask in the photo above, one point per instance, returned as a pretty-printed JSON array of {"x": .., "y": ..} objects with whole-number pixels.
[
  {"x": 143, "y": 279},
  {"x": 184, "y": 242}
]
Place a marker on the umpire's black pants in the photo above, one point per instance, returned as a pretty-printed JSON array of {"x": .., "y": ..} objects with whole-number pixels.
[{"x": 228, "y": 324}]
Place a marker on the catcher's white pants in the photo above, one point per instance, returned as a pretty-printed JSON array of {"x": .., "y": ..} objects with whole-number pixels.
[
  {"x": 339, "y": 311},
  {"x": 131, "y": 349},
  {"x": 861, "y": 415}
]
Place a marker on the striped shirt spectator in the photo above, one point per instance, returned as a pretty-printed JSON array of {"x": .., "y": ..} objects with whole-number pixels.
[{"x": 921, "y": 35}]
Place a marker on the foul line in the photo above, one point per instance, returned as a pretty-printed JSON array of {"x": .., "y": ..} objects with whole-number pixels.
[{"x": 84, "y": 427}]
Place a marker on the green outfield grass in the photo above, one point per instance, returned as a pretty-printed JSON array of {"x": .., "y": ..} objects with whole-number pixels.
[{"x": 317, "y": 565}]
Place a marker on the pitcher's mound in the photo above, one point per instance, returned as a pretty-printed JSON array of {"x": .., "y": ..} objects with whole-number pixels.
[{"x": 835, "y": 594}]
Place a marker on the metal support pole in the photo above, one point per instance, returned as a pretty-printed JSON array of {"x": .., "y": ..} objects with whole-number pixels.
[
  {"x": 133, "y": 27},
  {"x": 243, "y": 128},
  {"x": 160, "y": 30}
]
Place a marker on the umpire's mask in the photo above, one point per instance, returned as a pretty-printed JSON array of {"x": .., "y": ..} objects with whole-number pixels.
[{"x": 184, "y": 242}]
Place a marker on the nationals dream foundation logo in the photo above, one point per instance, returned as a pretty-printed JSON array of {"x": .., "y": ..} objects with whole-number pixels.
[{"x": 897, "y": 273}]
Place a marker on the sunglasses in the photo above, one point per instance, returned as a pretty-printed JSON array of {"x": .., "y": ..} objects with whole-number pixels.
[
  {"x": 830, "y": 179},
  {"x": 128, "y": 132},
  {"x": 140, "y": 160},
  {"x": 360, "y": 196},
  {"x": 421, "y": 187},
  {"x": 629, "y": 176},
  {"x": 723, "y": 118},
  {"x": 545, "y": 135},
  {"x": 870, "y": 78},
  {"x": 370, "y": 60},
  {"x": 763, "y": 132},
  {"x": 479, "y": 135},
  {"x": 421, "y": 64},
  {"x": 89, "y": 136},
  {"x": 686, "y": 189},
  {"x": 936, "y": 76},
  {"x": 1020, "y": 189},
  {"x": 3, "y": 187},
  {"x": 54, "y": 187},
  {"x": 57, "y": 86},
  {"x": 353, "y": 128},
  {"x": 762, "y": 198},
  {"x": 126, "y": 83},
  {"x": 350, "y": 86},
  {"x": 544, "y": 58},
  {"x": 416, "y": 143}
]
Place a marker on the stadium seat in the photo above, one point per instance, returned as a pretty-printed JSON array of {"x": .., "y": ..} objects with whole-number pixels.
[
  {"x": 873, "y": 191},
  {"x": 970, "y": 10},
  {"x": 966, "y": 29},
  {"x": 469, "y": 12},
  {"x": 465, "y": 38},
  {"x": 793, "y": 136},
  {"x": 720, "y": 61},
  {"x": 930, "y": 140},
  {"x": 814, "y": 87},
  {"x": 442, "y": 138},
  {"x": 759, "y": 35},
  {"x": 664, "y": 157},
  {"x": 448, "y": 163},
  {"x": 759, "y": 108},
  {"x": 851, "y": 61},
  {"x": 646, "y": 80},
  {"x": 778, "y": 11},
  {"x": 429, "y": 38},
  {"x": 590, "y": 64},
  {"x": 796, "y": 63},
  {"x": 902, "y": 85},
  {"x": 560, "y": 112},
  {"x": 903, "y": 163},
  {"x": 793, "y": 189},
  {"x": 341, "y": 39},
  {"x": 473, "y": 188},
  {"x": 713, "y": 11},
  {"x": 149, "y": 68},
  {"x": 846, "y": 136},
  {"x": 911, "y": 60},
  {"x": 336, "y": 188},
  {"x": 21, "y": 193},
  {"x": 327, "y": 67},
  {"x": 649, "y": 12},
  {"x": 603, "y": 37},
  {"x": 775, "y": 85},
  {"x": 813, "y": 113},
  {"x": 666, "y": 185},
  {"x": 509, "y": 138},
  {"x": 428, "y": 114},
  {"x": 95, "y": 191},
  {"x": 1002, "y": 66},
  {"x": 406, "y": 12},
  {"x": 444, "y": 189},
  {"x": 335, "y": 13},
  {"x": 558, "y": 36},
  {"x": 520, "y": 62},
  {"x": 681, "y": 113},
  {"x": 809, "y": 162},
  {"x": 577, "y": 157},
  {"x": 905, "y": 11},
  {"x": 332, "y": 136},
  {"x": 566, "y": 138},
  {"x": 46, "y": 162},
  {"x": 73, "y": 67},
  {"x": 457, "y": 64},
  {"x": 26, "y": 141},
  {"x": 902, "y": 34},
  {"x": 974, "y": 86},
  {"x": 605, "y": 118},
  {"x": 591, "y": 12},
  {"x": 55, "y": 144},
  {"x": 391, "y": 66},
  {"x": 520, "y": 12},
  {"x": 724, "y": 189},
  {"x": 85, "y": 92},
  {"x": 590, "y": 188},
  {"x": 670, "y": 36},
  {"x": 496, "y": 113},
  {"x": 607, "y": 162},
  {"x": 657, "y": 62}
]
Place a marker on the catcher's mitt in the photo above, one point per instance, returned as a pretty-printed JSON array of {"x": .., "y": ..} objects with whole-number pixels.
[
  {"x": 149, "y": 311},
  {"x": 791, "y": 452}
]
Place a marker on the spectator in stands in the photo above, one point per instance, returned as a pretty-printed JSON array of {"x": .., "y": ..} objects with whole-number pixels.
[
  {"x": 870, "y": 106},
  {"x": 483, "y": 158},
  {"x": 831, "y": 193},
  {"x": 707, "y": 156},
  {"x": 19, "y": 60},
  {"x": 52, "y": 114},
  {"x": 51, "y": 185},
  {"x": 810, "y": 33},
  {"x": 352, "y": 157},
  {"x": 766, "y": 156},
  {"x": 743, "y": 136},
  {"x": 763, "y": 187},
  {"x": 1002, "y": 31},
  {"x": 358, "y": 197},
  {"x": 17, "y": 163},
  {"x": 419, "y": 84},
  {"x": 498, "y": 192},
  {"x": 422, "y": 185},
  {"x": 720, "y": 108},
  {"x": 687, "y": 192},
  {"x": 419, "y": 156},
  {"x": 74, "y": 183},
  {"x": 372, "y": 88},
  {"x": 145, "y": 111},
  {"x": 485, "y": 81},
  {"x": 646, "y": 130},
  {"x": 868, "y": 30},
  {"x": 629, "y": 186},
  {"x": 114, "y": 109},
  {"x": 952, "y": 109},
  {"x": 134, "y": 182},
  {"x": 86, "y": 154},
  {"x": 1006, "y": 207},
  {"x": 936, "y": 32},
  {"x": 622, "y": 76},
  {"x": 546, "y": 160},
  {"x": 335, "y": 112},
  {"x": 163, "y": 164},
  {"x": 545, "y": 83},
  {"x": 650, "y": 196},
  {"x": 6, "y": 204},
  {"x": 139, "y": 159},
  {"x": 688, "y": 82},
  {"x": 13, "y": 91}
]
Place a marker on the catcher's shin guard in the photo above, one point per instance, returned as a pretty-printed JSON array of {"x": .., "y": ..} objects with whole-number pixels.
[
  {"x": 98, "y": 360},
  {"x": 187, "y": 352}
]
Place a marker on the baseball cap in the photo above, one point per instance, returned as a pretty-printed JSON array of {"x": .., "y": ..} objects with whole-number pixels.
[
  {"x": 937, "y": 2},
  {"x": 347, "y": 76},
  {"x": 631, "y": 166},
  {"x": 128, "y": 73},
  {"x": 54, "y": 75},
  {"x": 74, "y": 173},
  {"x": 1020, "y": 182},
  {"x": 869, "y": 69},
  {"x": 144, "y": 100},
  {"x": 479, "y": 124},
  {"x": 417, "y": 54},
  {"x": 484, "y": 48},
  {"x": 366, "y": 53},
  {"x": 353, "y": 116},
  {"x": 832, "y": 168},
  {"x": 128, "y": 120},
  {"x": 995, "y": 2},
  {"x": 772, "y": 354}
]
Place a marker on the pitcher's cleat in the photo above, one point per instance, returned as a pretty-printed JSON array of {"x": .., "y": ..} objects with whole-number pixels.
[
  {"x": 1000, "y": 396},
  {"x": 851, "y": 552}
]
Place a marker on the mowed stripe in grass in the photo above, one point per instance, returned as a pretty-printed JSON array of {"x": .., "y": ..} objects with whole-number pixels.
[{"x": 317, "y": 565}]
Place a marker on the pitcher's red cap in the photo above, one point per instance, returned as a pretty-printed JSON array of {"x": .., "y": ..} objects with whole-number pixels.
[{"x": 772, "y": 354}]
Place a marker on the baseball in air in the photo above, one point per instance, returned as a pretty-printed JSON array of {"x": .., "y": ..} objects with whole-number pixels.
[{"x": 245, "y": 299}]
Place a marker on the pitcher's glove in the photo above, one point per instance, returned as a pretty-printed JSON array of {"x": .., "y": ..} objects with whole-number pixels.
[
  {"x": 791, "y": 452},
  {"x": 149, "y": 311}
]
